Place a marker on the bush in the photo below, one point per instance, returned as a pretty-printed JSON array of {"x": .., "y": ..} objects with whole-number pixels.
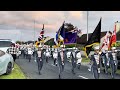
[
  {"x": 70, "y": 46},
  {"x": 118, "y": 44}
]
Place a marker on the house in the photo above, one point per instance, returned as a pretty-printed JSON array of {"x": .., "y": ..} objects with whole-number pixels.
[{"x": 83, "y": 39}]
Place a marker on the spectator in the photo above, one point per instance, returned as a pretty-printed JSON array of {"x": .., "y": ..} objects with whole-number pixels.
[{"x": 13, "y": 51}]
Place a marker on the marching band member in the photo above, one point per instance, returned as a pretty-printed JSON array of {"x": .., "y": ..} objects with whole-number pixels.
[
  {"x": 61, "y": 62},
  {"x": 95, "y": 61},
  {"x": 39, "y": 60},
  {"x": 55, "y": 55},
  {"x": 113, "y": 61},
  {"x": 73, "y": 54},
  {"x": 30, "y": 52},
  {"x": 47, "y": 54},
  {"x": 79, "y": 59},
  {"x": 104, "y": 56}
]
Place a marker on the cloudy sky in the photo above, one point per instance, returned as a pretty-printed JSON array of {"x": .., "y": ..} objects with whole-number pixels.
[{"x": 19, "y": 25}]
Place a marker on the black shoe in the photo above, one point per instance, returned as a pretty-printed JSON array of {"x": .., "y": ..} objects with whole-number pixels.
[
  {"x": 59, "y": 77},
  {"x": 39, "y": 73},
  {"x": 56, "y": 64},
  {"x": 113, "y": 78},
  {"x": 73, "y": 72},
  {"x": 79, "y": 67}
]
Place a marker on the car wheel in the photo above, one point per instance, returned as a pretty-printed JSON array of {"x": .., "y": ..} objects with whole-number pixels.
[{"x": 9, "y": 68}]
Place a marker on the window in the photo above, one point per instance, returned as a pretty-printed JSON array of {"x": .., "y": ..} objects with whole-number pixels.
[
  {"x": 5, "y": 43},
  {"x": 2, "y": 53}
]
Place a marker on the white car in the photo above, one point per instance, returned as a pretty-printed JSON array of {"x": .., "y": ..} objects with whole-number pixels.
[
  {"x": 5, "y": 44},
  {"x": 6, "y": 63}
]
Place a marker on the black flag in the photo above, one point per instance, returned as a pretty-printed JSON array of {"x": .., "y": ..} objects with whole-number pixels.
[{"x": 93, "y": 39}]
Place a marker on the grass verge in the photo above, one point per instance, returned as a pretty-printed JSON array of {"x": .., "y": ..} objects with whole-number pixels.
[
  {"x": 117, "y": 72},
  {"x": 15, "y": 74},
  {"x": 85, "y": 60}
]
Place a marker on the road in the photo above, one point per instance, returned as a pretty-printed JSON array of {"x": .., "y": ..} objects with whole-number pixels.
[{"x": 51, "y": 72}]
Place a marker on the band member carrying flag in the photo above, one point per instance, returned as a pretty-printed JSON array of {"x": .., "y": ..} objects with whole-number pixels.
[
  {"x": 59, "y": 41},
  {"x": 93, "y": 40},
  {"x": 113, "y": 54}
]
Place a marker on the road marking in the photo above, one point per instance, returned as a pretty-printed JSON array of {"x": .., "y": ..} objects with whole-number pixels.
[
  {"x": 52, "y": 65},
  {"x": 82, "y": 77}
]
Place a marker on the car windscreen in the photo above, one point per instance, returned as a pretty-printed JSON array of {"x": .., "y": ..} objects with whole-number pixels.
[
  {"x": 5, "y": 43},
  {"x": 2, "y": 53}
]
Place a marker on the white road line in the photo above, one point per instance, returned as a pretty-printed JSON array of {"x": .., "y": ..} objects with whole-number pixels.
[
  {"x": 82, "y": 77},
  {"x": 53, "y": 65},
  {"x": 78, "y": 76}
]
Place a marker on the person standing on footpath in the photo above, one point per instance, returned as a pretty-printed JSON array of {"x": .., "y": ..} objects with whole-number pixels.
[{"x": 13, "y": 51}]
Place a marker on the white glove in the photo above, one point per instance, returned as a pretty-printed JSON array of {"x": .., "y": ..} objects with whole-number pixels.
[
  {"x": 98, "y": 70},
  {"x": 108, "y": 63}
]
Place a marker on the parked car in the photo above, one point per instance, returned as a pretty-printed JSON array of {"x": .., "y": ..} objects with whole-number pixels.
[
  {"x": 6, "y": 63},
  {"x": 5, "y": 44}
]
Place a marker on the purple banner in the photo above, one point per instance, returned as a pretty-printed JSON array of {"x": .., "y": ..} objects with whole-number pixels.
[{"x": 70, "y": 37}]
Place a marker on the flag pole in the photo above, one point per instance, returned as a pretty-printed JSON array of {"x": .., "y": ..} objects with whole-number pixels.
[
  {"x": 115, "y": 33},
  {"x": 34, "y": 39},
  {"x": 64, "y": 35},
  {"x": 87, "y": 24},
  {"x": 34, "y": 32},
  {"x": 76, "y": 40}
]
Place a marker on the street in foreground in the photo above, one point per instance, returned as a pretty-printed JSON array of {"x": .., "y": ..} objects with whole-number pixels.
[{"x": 49, "y": 71}]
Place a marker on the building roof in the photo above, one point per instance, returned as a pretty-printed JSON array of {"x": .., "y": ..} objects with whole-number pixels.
[{"x": 83, "y": 38}]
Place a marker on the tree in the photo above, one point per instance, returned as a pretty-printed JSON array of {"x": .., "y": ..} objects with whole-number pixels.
[
  {"x": 69, "y": 27},
  {"x": 19, "y": 42}
]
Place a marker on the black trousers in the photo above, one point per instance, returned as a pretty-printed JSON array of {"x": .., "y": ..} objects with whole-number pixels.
[
  {"x": 105, "y": 64},
  {"x": 47, "y": 59},
  {"x": 55, "y": 59},
  {"x": 40, "y": 63},
  {"x": 61, "y": 69},
  {"x": 73, "y": 66},
  {"x": 29, "y": 57},
  {"x": 113, "y": 68},
  {"x": 14, "y": 57},
  {"x": 95, "y": 73}
]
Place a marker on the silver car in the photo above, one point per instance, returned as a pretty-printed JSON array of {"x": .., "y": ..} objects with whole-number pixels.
[{"x": 6, "y": 63}]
